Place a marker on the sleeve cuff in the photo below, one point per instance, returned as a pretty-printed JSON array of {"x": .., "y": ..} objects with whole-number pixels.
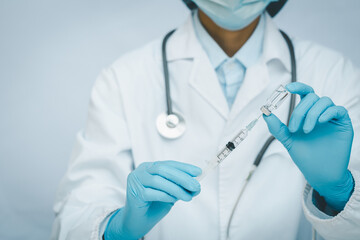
[
  {"x": 101, "y": 224},
  {"x": 345, "y": 225},
  {"x": 321, "y": 204}
]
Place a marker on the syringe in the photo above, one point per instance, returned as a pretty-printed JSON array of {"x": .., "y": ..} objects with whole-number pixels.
[{"x": 275, "y": 100}]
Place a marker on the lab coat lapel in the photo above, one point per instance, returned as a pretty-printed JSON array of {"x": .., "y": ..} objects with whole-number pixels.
[
  {"x": 255, "y": 81},
  {"x": 183, "y": 45},
  {"x": 206, "y": 83},
  {"x": 257, "y": 77},
  {"x": 203, "y": 79}
]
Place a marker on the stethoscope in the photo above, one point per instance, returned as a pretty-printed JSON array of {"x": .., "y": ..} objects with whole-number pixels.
[{"x": 171, "y": 125}]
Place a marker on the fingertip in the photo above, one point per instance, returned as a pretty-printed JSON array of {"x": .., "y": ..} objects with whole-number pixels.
[
  {"x": 194, "y": 186},
  {"x": 194, "y": 171},
  {"x": 294, "y": 86},
  {"x": 188, "y": 198},
  {"x": 197, "y": 171},
  {"x": 299, "y": 88},
  {"x": 190, "y": 169},
  {"x": 194, "y": 194},
  {"x": 172, "y": 199},
  {"x": 292, "y": 130},
  {"x": 292, "y": 126},
  {"x": 309, "y": 125},
  {"x": 307, "y": 130},
  {"x": 183, "y": 195},
  {"x": 198, "y": 185},
  {"x": 266, "y": 116},
  {"x": 269, "y": 119},
  {"x": 289, "y": 87},
  {"x": 273, "y": 122},
  {"x": 323, "y": 118}
]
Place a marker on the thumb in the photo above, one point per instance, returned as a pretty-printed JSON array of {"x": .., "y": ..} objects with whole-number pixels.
[{"x": 279, "y": 130}]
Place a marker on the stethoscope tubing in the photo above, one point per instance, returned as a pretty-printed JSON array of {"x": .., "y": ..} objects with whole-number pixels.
[
  {"x": 266, "y": 145},
  {"x": 166, "y": 72},
  {"x": 268, "y": 142}
]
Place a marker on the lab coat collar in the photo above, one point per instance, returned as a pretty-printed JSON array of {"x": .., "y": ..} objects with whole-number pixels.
[
  {"x": 184, "y": 45},
  {"x": 216, "y": 55},
  {"x": 257, "y": 77},
  {"x": 275, "y": 46}
]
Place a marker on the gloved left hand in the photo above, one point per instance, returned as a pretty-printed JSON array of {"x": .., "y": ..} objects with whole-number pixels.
[
  {"x": 319, "y": 140},
  {"x": 152, "y": 190}
]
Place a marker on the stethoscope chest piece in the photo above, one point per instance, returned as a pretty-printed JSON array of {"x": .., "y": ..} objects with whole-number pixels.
[{"x": 170, "y": 126}]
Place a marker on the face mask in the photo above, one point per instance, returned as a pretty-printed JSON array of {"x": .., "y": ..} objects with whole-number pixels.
[{"x": 233, "y": 14}]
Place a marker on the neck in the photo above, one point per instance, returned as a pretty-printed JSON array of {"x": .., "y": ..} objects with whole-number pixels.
[{"x": 229, "y": 41}]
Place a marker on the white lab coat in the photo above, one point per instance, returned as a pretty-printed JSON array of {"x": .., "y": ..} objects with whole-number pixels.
[{"x": 120, "y": 134}]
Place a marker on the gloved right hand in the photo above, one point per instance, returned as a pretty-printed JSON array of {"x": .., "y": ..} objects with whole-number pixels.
[{"x": 152, "y": 190}]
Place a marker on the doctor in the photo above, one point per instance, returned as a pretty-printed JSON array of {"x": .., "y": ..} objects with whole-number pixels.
[{"x": 126, "y": 181}]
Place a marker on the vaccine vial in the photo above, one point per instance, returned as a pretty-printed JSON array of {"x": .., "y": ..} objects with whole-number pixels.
[{"x": 275, "y": 100}]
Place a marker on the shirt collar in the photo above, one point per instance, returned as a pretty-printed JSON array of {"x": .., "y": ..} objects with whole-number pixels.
[{"x": 248, "y": 54}]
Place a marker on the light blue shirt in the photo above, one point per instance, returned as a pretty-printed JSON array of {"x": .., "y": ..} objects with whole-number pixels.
[{"x": 231, "y": 71}]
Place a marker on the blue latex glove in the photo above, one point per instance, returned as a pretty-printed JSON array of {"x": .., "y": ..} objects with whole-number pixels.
[
  {"x": 152, "y": 190},
  {"x": 319, "y": 140}
]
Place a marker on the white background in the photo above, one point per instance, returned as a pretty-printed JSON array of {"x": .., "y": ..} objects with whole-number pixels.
[{"x": 50, "y": 55}]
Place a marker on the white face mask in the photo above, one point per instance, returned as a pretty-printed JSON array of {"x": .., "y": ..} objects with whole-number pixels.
[{"x": 233, "y": 14}]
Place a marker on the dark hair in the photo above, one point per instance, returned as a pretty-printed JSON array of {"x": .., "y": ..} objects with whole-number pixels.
[{"x": 272, "y": 9}]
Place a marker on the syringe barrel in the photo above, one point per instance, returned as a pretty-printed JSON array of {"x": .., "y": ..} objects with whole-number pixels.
[
  {"x": 275, "y": 100},
  {"x": 239, "y": 137}
]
